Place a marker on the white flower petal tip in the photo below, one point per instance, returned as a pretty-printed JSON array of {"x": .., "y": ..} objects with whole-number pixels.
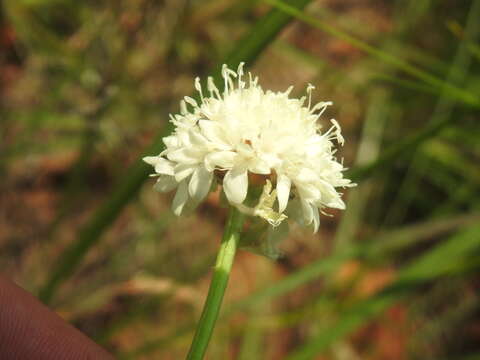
[
  {"x": 235, "y": 185},
  {"x": 283, "y": 192},
  {"x": 149, "y": 159},
  {"x": 241, "y": 129},
  {"x": 200, "y": 183},
  {"x": 180, "y": 199}
]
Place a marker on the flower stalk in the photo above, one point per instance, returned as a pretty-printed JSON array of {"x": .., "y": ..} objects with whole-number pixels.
[{"x": 218, "y": 285}]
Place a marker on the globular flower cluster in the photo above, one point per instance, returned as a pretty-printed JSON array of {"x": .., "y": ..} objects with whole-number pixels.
[{"x": 247, "y": 130}]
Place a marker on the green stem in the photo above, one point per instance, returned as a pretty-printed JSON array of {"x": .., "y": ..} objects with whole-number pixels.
[{"x": 221, "y": 273}]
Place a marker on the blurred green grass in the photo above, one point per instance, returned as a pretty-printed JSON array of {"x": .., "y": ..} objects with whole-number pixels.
[{"x": 87, "y": 86}]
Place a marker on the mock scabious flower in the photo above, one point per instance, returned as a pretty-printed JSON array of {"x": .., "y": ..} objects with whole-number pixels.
[{"x": 246, "y": 130}]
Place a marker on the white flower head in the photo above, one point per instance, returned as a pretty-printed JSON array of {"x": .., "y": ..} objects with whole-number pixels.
[{"x": 247, "y": 130}]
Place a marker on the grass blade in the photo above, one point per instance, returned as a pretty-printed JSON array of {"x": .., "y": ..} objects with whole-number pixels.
[
  {"x": 99, "y": 222},
  {"x": 441, "y": 261},
  {"x": 462, "y": 95}
]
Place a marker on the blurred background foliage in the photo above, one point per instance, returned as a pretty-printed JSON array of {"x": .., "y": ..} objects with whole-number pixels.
[{"x": 86, "y": 88}]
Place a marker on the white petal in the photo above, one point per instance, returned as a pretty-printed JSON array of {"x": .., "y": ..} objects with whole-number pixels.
[
  {"x": 259, "y": 166},
  {"x": 308, "y": 191},
  {"x": 283, "y": 191},
  {"x": 170, "y": 141},
  {"x": 165, "y": 183},
  {"x": 235, "y": 185},
  {"x": 327, "y": 188},
  {"x": 184, "y": 156},
  {"x": 220, "y": 159},
  {"x": 307, "y": 212},
  {"x": 164, "y": 168},
  {"x": 161, "y": 165},
  {"x": 196, "y": 139},
  {"x": 306, "y": 175},
  {"x": 336, "y": 204},
  {"x": 200, "y": 183},
  {"x": 244, "y": 149},
  {"x": 213, "y": 131},
  {"x": 181, "y": 197},
  {"x": 151, "y": 160},
  {"x": 182, "y": 171}
]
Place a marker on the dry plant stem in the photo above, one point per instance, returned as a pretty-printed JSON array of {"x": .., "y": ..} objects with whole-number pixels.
[{"x": 221, "y": 273}]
